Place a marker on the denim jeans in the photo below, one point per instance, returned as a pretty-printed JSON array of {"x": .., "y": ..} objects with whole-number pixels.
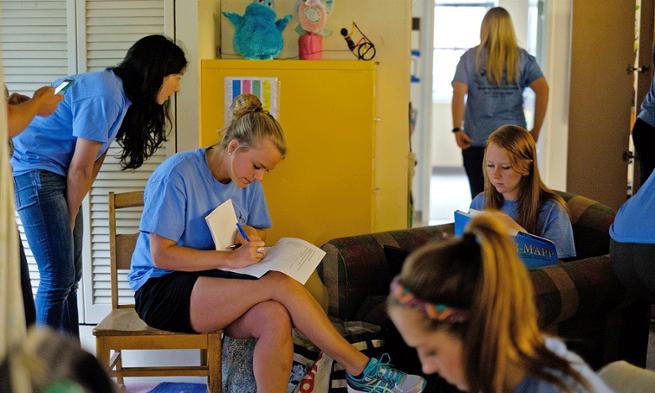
[{"x": 43, "y": 210}]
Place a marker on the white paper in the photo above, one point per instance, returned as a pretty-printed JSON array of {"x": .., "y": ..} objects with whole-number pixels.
[
  {"x": 294, "y": 257},
  {"x": 222, "y": 224}
]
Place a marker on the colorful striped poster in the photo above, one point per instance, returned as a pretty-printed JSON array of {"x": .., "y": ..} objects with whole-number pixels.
[{"x": 264, "y": 88}]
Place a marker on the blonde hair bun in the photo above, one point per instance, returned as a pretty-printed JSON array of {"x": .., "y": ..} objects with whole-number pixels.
[{"x": 245, "y": 103}]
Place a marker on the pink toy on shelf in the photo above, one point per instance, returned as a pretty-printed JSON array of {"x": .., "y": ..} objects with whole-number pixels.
[
  {"x": 312, "y": 17},
  {"x": 310, "y": 46}
]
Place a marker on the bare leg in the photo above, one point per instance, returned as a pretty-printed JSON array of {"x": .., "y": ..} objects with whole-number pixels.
[
  {"x": 269, "y": 323},
  {"x": 230, "y": 299}
]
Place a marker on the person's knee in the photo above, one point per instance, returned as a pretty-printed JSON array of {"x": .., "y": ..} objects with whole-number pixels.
[
  {"x": 281, "y": 283},
  {"x": 57, "y": 285},
  {"x": 272, "y": 318}
]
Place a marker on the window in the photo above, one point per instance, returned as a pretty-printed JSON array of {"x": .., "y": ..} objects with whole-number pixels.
[{"x": 456, "y": 29}]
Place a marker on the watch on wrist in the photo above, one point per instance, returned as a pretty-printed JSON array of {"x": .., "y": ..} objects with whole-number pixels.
[{"x": 456, "y": 129}]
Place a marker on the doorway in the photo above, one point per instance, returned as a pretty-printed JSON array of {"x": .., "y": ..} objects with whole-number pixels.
[{"x": 452, "y": 27}]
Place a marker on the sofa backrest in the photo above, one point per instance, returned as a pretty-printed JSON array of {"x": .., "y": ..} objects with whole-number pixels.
[{"x": 591, "y": 221}]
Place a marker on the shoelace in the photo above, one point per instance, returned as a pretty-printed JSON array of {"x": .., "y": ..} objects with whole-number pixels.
[
  {"x": 385, "y": 372},
  {"x": 381, "y": 387}
]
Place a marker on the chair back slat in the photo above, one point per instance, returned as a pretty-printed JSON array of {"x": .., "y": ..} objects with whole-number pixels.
[
  {"x": 121, "y": 246},
  {"x": 125, "y": 245},
  {"x": 128, "y": 199}
]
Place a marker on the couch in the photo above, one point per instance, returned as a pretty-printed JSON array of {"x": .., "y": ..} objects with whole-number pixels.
[{"x": 580, "y": 300}]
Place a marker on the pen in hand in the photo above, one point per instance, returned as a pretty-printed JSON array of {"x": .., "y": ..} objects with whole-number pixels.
[
  {"x": 243, "y": 233},
  {"x": 261, "y": 251}
]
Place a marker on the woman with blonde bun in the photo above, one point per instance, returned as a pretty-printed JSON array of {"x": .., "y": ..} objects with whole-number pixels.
[{"x": 174, "y": 266}]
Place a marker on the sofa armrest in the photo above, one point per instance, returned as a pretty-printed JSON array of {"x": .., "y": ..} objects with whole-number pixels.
[{"x": 355, "y": 268}]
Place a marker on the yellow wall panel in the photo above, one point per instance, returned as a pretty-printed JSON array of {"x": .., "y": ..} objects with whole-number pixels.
[{"x": 324, "y": 187}]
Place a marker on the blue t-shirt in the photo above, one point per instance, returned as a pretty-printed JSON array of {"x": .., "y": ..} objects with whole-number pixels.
[
  {"x": 647, "y": 112},
  {"x": 93, "y": 108},
  {"x": 534, "y": 385},
  {"x": 489, "y": 106},
  {"x": 635, "y": 221},
  {"x": 553, "y": 223},
  {"x": 178, "y": 196}
]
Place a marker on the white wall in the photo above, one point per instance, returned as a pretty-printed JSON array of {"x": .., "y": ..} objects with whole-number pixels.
[
  {"x": 421, "y": 97},
  {"x": 554, "y": 140},
  {"x": 196, "y": 31}
]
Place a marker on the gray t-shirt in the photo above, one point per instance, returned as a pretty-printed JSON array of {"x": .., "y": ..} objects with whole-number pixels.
[
  {"x": 489, "y": 106},
  {"x": 534, "y": 385}
]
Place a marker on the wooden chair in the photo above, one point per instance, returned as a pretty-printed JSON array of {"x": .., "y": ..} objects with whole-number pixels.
[{"x": 124, "y": 330}]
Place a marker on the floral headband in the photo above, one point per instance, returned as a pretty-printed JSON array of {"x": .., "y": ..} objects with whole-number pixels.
[{"x": 440, "y": 312}]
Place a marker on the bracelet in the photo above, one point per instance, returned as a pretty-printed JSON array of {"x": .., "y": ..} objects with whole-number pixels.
[{"x": 456, "y": 129}]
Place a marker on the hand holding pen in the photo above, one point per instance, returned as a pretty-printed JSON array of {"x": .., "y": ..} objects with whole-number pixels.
[
  {"x": 242, "y": 232},
  {"x": 253, "y": 250}
]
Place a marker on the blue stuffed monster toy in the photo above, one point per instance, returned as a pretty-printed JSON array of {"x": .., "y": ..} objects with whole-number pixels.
[{"x": 257, "y": 35}]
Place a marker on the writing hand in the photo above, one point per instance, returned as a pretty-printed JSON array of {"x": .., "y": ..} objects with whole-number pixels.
[
  {"x": 248, "y": 254},
  {"x": 463, "y": 140},
  {"x": 250, "y": 232}
]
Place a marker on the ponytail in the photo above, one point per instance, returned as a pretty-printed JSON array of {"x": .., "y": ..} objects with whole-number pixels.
[{"x": 480, "y": 274}]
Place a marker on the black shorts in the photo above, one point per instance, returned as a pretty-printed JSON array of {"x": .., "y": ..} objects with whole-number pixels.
[{"x": 164, "y": 302}]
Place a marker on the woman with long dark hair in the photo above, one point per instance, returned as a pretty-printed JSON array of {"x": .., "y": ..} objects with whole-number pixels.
[{"x": 56, "y": 159}]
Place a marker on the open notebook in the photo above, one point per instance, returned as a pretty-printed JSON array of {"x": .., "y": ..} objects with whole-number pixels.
[{"x": 294, "y": 257}]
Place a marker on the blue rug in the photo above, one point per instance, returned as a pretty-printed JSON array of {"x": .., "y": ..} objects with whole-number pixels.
[{"x": 173, "y": 387}]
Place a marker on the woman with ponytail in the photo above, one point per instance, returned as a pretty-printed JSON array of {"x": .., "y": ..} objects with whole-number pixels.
[
  {"x": 175, "y": 275},
  {"x": 56, "y": 159},
  {"x": 466, "y": 305},
  {"x": 488, "y": 91},
  {"x": 512, "y": 184}
]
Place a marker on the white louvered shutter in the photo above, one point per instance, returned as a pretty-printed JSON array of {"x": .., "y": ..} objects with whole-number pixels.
[
  {"x": 37, "y": 47},
  {"x": 108, "y": 29}
]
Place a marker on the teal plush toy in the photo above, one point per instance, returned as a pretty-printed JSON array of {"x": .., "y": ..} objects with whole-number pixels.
[{"x": 256, "y": 34}]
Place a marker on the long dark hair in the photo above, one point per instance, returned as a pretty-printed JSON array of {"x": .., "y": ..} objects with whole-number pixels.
[{"x": 142, "y": 71}]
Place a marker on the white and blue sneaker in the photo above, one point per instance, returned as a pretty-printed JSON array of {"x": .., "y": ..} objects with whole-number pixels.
[{"x": 380, "y": 377}]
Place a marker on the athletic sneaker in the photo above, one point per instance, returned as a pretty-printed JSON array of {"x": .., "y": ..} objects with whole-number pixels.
[{"x": 380, "y": 377}]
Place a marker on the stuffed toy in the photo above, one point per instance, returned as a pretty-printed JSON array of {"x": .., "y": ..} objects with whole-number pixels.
[
  {"x": 257, "y": 35},
  {"x": 312, "y": 16},
  {"x": 312, "y": 20}
]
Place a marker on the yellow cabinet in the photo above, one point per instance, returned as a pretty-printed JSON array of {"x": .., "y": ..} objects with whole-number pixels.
[{"x": 325, "y": 186}]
